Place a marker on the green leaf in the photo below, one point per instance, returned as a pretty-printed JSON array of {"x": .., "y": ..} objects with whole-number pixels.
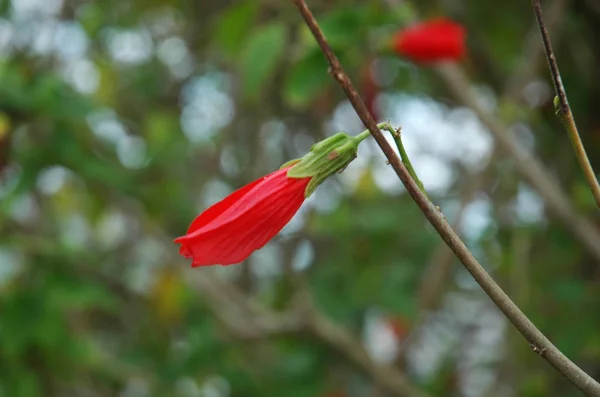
[
  {"x": 262, "y": 52},
  {"x": 91, "y": 16},
  {"x": 80, "y": 296},
  {"x": 25, "y": 384},
  {"x": 233, "y": 25},
  {"x": 307, "y": 79},
  {"x": 343, "y": 26}
]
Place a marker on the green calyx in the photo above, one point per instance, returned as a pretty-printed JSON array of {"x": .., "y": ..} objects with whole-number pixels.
[{"x": 325, "y": 158}]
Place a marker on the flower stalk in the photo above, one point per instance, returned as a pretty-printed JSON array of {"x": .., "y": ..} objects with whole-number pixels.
[{"x": 396, "y": 134}]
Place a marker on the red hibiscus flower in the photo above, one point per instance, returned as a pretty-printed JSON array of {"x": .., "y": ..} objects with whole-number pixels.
[
  {"x": 431, "y": 41},
  {"x": 229, "y": 231}
]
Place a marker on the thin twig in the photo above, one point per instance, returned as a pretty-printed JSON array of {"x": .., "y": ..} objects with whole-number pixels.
[
  {"x": 563, "y": 108},
  {"x": 538, "y": 342}
]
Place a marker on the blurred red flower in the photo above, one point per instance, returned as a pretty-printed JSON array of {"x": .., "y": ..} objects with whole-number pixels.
[
  {"x": 431, "y": 41},
  {"x": 399, "y": 326},
  {"x": 370, "y": 90},
  {"x": 230, "y": 230}
]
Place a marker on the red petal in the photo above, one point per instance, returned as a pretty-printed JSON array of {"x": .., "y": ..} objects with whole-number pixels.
[
  {"x": 432, "y": 41},
  {"x": 235, "y": 242},
  {"x": 244, "y": 221},
  {"x": 239, "y": 202},
  {"x": 217, "y": 209}
]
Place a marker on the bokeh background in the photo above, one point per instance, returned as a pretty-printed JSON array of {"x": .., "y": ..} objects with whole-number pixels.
[{"x": 121, "y": 120}]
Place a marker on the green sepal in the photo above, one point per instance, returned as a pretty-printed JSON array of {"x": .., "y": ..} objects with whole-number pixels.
[
  {"x": 285, "y": 165},
  {"x": 325, "y": 158}
]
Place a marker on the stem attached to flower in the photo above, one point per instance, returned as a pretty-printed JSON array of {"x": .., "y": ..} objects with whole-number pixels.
[
  {"x": 362, "y": 136},
  {"x": 366, "y": 133},
  {"x": 403, "y": 155}
]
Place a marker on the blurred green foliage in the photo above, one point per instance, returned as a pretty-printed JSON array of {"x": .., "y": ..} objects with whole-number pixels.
[{"x": 121, "y": 120}]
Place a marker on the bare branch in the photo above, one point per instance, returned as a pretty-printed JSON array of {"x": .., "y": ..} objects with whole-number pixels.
[{"x": 538, "y": 342}]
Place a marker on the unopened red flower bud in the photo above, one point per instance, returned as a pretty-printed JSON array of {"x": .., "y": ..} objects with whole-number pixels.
[
  {"x": 229, "y": 231},
  {"x": 431, "y": 41}
]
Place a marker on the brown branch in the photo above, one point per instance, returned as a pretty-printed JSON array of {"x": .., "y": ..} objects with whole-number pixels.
[
  {"x": 538, "y": 342},
  {"x": 556, "y": 79},
  {"x": 563, "y": 108}
]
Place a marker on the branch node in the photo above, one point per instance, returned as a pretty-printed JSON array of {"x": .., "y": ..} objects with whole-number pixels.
[{"x": 538, "y": 350}]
